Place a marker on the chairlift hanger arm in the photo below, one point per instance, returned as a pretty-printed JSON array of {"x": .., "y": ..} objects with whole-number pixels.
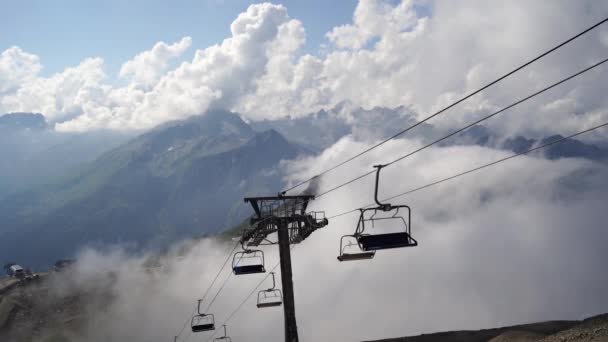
[
  {"x": 383, "y": 206},
  {"x": 273, "y": 282},
  {"x": 199, "y": 307}
]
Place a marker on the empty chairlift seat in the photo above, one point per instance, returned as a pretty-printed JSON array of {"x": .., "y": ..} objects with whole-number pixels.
[
  {"x": 203, "y": 322},
  {"x": 351, "y": 251},
  {"x": 270, "y": 297},
  {"x": 248, "y": 262},
  {"x": 384, "y": 217}
]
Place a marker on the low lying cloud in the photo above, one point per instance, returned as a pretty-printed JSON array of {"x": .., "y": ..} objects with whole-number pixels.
[
  {"x": 420, "y": 54},
  {"x": 520, "y": 242}
]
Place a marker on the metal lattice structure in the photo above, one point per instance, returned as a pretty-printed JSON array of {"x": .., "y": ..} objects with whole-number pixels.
[
  {"x": 287, "y": 217},
  {"x": 273, "y": 212}
]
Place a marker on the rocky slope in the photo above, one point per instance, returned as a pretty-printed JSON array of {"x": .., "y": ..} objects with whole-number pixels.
[
  {"x": 594, "y": 329},
  {"x": 36, "y": 311}
]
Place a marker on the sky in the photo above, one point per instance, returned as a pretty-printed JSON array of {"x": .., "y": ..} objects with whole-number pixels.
[
  {"x": 127, "y": 70},
  {"x": 66, "y": 32}
]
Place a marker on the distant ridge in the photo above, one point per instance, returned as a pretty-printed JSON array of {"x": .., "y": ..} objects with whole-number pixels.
[{"x": 23, "y": 120}]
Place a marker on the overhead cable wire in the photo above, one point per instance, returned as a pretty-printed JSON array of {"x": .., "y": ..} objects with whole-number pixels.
[
  {"x": 233, "y": 313},
  {"x": 244, "y": 301},
  {"x": 218, "y": 292},
  {"x": 545, "y": 145},
  {"x": 435, "y": 142},
  {"x": 207, "y": 291},
  {"x": 225, "y": 280},
  {"x": 391, "y": 138},
  {"x": 428, "y": 185},
  {"x": 481, "y": 167},
  {"x": 591, "y": 28},
  {"x": 518, "y": 102}
]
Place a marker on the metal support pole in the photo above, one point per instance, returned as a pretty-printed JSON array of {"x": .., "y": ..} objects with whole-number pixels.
[{"x": 289, "y": 308}]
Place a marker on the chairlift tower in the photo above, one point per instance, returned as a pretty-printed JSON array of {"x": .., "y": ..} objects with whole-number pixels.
[{"x": 286, "y": 216}]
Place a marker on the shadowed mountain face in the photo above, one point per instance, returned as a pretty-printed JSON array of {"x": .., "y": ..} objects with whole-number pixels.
[
  {"x": 573, "y": 149},
  {"x": 183, "y": 179},
  {"x": 322, "y": 129}
]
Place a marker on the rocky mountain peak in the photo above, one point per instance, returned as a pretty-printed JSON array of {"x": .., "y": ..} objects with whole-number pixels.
[{"x": 23, "y": 121}]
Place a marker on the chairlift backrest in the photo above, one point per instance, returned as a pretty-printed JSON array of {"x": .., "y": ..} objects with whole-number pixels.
[
  {"x": 248, "y": 262},
  {"x": 269, "y": 298},
  {"x": 391, "y": 219},
  {"x": 317, "y": 219},
  {"x": 350, "y": 250},
  {"x": 396, "y": 239},
  {"x": 202, "y": 322}
]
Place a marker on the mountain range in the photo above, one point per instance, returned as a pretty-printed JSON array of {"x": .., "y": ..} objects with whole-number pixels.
[{"x": 180, "y": 180}]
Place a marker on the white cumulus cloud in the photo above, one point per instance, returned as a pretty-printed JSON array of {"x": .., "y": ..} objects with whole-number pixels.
[
  {"x": 148, "y": 66},
  {"x": 218, "y": 76},
  {"x": 60, "y": 95},
  {"x": 422, "y": 55},
  {"x": 17, "y": 67}
]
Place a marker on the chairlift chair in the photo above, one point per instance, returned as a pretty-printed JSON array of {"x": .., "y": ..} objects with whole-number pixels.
[
  {"x": 202, "y": 321},
  {"x": 374, "y": 242},
  {"x": 350, "y": 251},
  {"x": 224, "y": 338},
  {"x": 270, "y": 297},
  {"x": 248, "y": 261}
]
